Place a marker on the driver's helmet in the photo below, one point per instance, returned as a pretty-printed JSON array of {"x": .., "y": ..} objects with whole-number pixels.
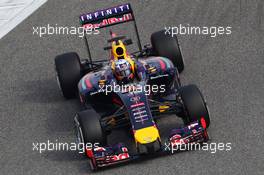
[{"x": 123, "y": 70}]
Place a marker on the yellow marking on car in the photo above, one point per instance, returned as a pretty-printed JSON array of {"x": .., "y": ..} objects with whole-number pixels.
[
  {"x": 152, "y": 69},
  {"x": 124, "y": 55},
  {"x": 146, "y": 135},
  {"x": 163, "y": 108},
  {"x": 112, "y": 121},
  {"x": 101, "y": 82}
]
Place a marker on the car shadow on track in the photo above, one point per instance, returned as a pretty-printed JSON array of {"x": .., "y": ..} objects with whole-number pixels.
[
  {"x": 40, "y": 91},
  {"x": 78, "y": 161},
  {"x": 46, "y": 100}
]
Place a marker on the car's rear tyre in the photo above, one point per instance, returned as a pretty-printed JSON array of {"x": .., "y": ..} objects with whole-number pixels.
[
  {"x": 194, "y": 105},
  {"x": 89, "y": 128},
  {"x": 68, "y": 69},
  {"x": 167, "y": 46}
]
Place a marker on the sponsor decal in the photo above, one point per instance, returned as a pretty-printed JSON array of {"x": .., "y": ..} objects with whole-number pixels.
[
  {"x": 159, "y": 76},
  {"x": 137, "y": 104},
  {"x": 138, "y": 108},
  {"x": 135, "y": 99},
  {"x": 106, "y": 13},
  {"x": 140, "y": 112},
  {"x": 193, "y": 125},
  {"x": 141, "y": 118},
  {"x": 194, "y": 131},
  {"x": 110, "y": 21},
  {"x": 120, "y": 156},
  {"x": 95, "y": 92}
]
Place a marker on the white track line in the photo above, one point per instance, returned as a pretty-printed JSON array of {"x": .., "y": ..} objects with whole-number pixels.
[{"x": 13, "y": 12}]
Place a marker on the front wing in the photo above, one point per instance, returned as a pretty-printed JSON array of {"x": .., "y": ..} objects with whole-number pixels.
[{"x": 106, "y": 156}]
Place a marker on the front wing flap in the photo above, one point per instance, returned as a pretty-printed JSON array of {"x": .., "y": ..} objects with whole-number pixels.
[{"x": 106, "y": 156}]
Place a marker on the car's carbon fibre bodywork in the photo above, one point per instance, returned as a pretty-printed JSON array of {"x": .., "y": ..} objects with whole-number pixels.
[
  {"x": 136, "y": 102},
  {"x": 154, "y": 91}
]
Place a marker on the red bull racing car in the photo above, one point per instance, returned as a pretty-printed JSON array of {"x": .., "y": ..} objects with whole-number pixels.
[{"x": 130, "y": 90}]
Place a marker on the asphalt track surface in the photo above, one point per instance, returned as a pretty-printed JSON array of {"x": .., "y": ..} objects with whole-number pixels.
[{"x": 228, "y": 69}]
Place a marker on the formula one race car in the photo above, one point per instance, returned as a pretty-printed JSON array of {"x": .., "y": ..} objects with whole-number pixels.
[{"x": 130, "y": 90}]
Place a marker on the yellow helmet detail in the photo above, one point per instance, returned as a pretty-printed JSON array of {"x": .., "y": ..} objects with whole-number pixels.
[{"x": 119, "y": 50}]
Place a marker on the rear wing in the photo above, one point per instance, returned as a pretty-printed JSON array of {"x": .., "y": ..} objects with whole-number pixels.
[{"x": 109, "y": 17}]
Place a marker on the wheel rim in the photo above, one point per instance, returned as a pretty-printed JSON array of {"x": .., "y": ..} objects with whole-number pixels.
[
  {"x": 58, "y": 81},
  {"x": 91, "y": 164},
  {"x": 79, "y": 133}
]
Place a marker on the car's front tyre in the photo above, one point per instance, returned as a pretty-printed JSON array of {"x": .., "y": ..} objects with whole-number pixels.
[
  {"x": 194, "y": 105},
  {"x": 90, "y": 128}
]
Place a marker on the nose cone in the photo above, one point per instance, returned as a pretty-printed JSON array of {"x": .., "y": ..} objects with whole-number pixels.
[{"x": 146, "y": 135}]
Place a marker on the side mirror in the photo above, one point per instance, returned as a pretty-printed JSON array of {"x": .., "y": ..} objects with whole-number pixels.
[
  {"x": 107, "y": 47},
  {"x": 127, "y": 42}
]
